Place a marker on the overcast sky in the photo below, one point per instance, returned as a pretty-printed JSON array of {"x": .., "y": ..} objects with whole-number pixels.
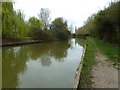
[{"x": 75, "y": 12}]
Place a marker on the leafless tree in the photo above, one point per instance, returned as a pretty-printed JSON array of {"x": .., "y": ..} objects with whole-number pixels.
[
  {"x": 44, "y": 15},
  {"x": 71, "y": 28}
]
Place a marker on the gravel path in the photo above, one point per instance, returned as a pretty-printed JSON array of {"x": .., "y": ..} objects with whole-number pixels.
[{"x": 104, "y": 74}]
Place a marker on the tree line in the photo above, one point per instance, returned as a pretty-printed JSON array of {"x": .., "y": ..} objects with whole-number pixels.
[
  {"x": 104, "y": 24},
  {"x": 14, "y": 25}
]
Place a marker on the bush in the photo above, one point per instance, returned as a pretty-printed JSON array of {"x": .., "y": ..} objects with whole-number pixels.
[
  {"x": 61, "y": 35},
  {"x": 39, "y": 34}
]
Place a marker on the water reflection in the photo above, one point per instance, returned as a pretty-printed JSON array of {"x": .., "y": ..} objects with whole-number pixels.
[
  {"x": 13, "y": 62},
  {"x": 55, "y": 49},
  {"x": 45, "y": 60},
  {"x": 17, "y": 60},
  {"x": 80, "y": 41}
]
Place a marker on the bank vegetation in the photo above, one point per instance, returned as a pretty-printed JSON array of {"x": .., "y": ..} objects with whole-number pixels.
[{"x": 15, "y": 26}]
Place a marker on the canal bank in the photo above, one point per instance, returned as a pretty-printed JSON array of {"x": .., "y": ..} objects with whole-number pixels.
[
  {"x": 98, "y": 65},
  {"x": 13, "y": 42}
]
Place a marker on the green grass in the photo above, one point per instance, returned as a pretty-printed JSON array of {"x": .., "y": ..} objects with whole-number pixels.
[
  {"x": 111, "y": 51},
  {"x": 88, "y": 62},
  {"x": 93, "y": 46}
]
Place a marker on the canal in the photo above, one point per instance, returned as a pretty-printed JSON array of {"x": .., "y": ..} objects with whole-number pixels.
[{"x": 43, "y": 65}]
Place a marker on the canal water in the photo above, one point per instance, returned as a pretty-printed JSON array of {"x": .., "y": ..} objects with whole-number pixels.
[{"x": 43, "y": 65}]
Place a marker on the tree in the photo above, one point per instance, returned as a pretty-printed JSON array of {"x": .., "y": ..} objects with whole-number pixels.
[
  {"x": 0, "y": 20},
  {"x": 104, "y": 24},
  {"x": 7, "y": 12},
  {"x": 35, "y": 23},
  {"x": 71, "y": 28},
  {"x": 44, "y": 15},
  {"x": 13, "y": 23},
  {"x": 59, "y": 24},
  {"x": 60, "y": 27}
]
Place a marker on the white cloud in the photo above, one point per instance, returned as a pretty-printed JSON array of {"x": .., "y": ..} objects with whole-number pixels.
[{"x": 75, "y": 11}]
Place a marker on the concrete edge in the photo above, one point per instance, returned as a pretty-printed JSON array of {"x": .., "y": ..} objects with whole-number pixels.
[{"x": 79, "y": 69}]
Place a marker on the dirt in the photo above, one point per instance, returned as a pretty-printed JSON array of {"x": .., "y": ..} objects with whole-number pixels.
[{"x": 104, "y": 74}]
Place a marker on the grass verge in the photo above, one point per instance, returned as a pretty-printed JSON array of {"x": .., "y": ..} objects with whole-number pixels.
[
  {"x": 92, "y": 47},
  {"x": 109, "y": 50},
  {"x": 88, "y": 62}
]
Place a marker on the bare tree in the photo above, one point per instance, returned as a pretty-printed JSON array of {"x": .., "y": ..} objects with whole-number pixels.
[
  {"x": 71, "y": 28},
  {"x": 76, "y": 29},
  {"x": 44, "y": 15}
]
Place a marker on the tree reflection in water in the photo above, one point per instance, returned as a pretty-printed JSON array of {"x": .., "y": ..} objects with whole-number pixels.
[
  {"x": 13, "y": 63},
  {"x": 48, "y": 50},
  {"x": 80, "y": 41},
  {"x": 15, "y": 58}
]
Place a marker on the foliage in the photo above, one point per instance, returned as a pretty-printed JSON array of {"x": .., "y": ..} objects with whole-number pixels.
[
  {"x": 35, "y": 23},
  {"x": 88, "y": 27},
  {"x": 42, "y": 35},
  {"x": 7, "y": 11},
  {"x": 60, "y": 28},
  {"x": 58, "y": 31},
  {"x": 13, "y": 24},
  {"x": 104, "y": 24},
  {"x": 0, "y": 20}
]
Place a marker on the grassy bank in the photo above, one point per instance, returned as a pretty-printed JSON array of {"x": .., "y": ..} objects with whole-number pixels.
[
  {"x": 88, "y": 62},
  {"x": 109, "y": 50},
  {"x": 93, "y": 46}
]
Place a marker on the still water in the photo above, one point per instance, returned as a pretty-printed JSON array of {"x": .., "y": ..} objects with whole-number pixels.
[{"x": 43, "y": 65}]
